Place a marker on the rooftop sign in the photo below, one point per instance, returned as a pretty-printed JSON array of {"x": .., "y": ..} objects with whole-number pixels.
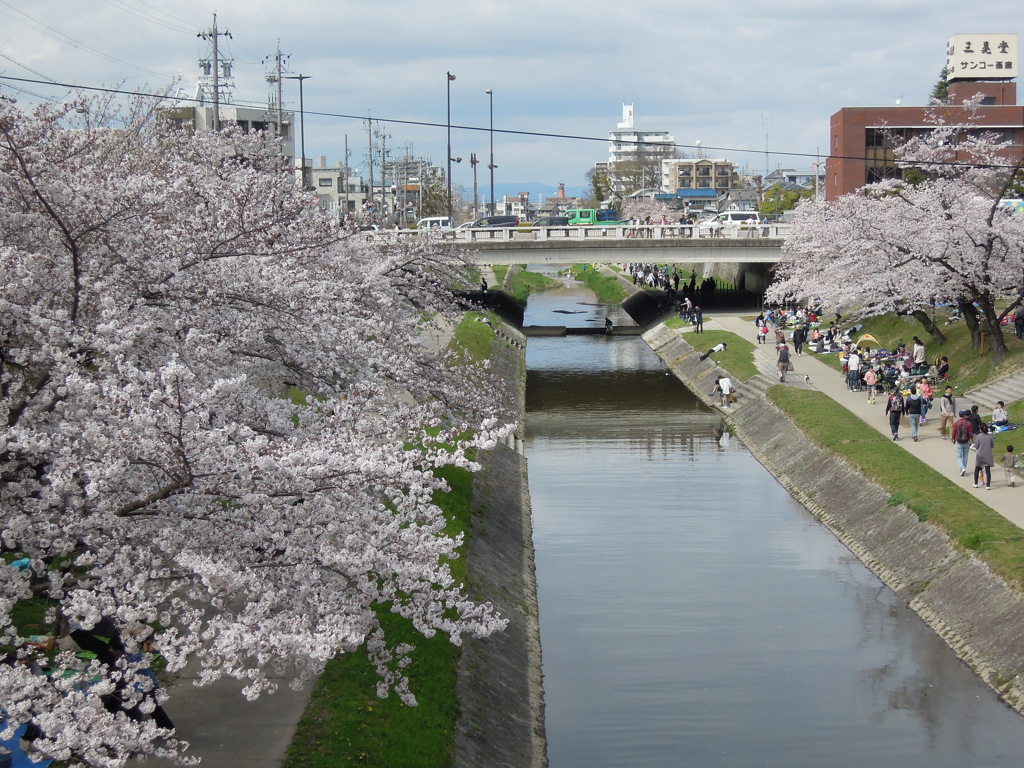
[{"x": 981, "y": 57}]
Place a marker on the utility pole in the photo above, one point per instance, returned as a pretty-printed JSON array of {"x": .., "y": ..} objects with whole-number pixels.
[
  {"x": 369, "y": 154},
  {"x": 214, "y": 35},
  {"x": 383, "y": 136},
  {"x": 302, "y": 118},
  {"x": 344, "y": 173},
  {"x": 275, "y": 79}
]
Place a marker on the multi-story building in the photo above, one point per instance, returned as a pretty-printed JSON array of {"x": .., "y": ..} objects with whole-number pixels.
[
  {"x": 634, "y": 155},
  {"x": 338, "y": 189},
  {"x": 699, "y": 173},
  {"x": 861, "y": 138}
]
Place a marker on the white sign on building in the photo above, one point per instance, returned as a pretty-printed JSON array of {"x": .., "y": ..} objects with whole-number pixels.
[{"x": 981, "y": 57}]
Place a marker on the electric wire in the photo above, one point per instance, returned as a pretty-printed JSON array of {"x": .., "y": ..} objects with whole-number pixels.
[{"x": 507, "y": 131}]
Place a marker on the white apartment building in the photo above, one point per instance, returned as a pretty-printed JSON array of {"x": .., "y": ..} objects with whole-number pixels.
[{"x": 628, "y": 145}]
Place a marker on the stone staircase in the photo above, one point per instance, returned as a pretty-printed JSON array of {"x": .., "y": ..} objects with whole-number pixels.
[{"x": 1008, "y": 389}]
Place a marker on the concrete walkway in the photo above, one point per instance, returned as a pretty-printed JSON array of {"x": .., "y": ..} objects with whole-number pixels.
[{"x": 931, "y": 448}]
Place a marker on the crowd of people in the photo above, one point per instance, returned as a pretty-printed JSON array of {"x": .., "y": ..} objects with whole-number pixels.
[{"x": 904, "y": 377}]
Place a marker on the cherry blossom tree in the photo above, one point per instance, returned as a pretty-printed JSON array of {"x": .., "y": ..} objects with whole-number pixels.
[
  {"x": 220, "y": 423},
  {"x": 940, "y": 233},
  {"x": 640, "y": 209}
]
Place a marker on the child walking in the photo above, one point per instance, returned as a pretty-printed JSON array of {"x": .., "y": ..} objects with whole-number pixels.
[
  {"x": 871, "y": 379},
  {"x": 1008, "y": 462}
]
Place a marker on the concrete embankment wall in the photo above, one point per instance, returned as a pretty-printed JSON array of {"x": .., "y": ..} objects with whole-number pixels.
[
  {"x": 977, "y": 613},
  {"x": 502, "y": 721}
]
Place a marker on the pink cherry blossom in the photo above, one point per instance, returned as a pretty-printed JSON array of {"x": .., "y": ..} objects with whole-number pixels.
[{"x": 220, "y": 419}]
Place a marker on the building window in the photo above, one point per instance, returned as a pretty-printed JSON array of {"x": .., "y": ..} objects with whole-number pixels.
[
  {"x": 874, "y": 137},
  {"x": 877, "y": 173},
  {"x": 325, "y": 181}
]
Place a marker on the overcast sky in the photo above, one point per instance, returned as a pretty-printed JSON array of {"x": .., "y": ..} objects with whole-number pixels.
[{"x": 751, "y": 80}]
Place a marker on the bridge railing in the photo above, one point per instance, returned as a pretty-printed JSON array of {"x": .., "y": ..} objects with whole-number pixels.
[{"x": 619, "y": 232}]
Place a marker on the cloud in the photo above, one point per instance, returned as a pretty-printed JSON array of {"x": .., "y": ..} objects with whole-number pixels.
[{"x": 740, "y": 76}]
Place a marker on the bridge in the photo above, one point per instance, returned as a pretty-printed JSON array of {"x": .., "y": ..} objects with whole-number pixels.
[{"x": 622, "y": 244}]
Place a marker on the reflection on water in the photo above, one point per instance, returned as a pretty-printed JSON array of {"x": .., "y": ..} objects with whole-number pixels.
[{"x": 693, "y": 614}]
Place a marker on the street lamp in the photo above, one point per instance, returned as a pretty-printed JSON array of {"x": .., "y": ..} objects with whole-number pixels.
[
  {"x": 302, "y": 121},
  {"x": 449, "y": 155},
  {"x": 491, "y": 165}
]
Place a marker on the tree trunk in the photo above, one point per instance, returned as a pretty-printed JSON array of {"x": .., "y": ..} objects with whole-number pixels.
[
  {"x": 970, "y": 316},
  {"x": 929, "y": 325},
  {"x": 990, "y": 325}
]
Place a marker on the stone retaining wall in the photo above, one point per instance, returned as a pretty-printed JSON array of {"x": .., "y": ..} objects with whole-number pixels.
[
  {"x": 500, "y": 694},
  {"x": 974, "y": 611}
]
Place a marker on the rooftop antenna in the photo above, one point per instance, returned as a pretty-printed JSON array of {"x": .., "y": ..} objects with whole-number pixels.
[{"x": 899, "y": 99}]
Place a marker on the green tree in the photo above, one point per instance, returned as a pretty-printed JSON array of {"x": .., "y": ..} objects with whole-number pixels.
[
  {"x": 775, "y": 199},
  {"x": 940, "y": 92},
  {"x": 600, "y": 186}
]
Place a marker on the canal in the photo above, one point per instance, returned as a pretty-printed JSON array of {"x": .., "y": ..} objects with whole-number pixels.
[{"x": 691, "y": 612}]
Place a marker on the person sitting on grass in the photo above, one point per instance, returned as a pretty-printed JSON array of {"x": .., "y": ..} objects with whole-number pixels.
[{"x": 999, "y": 416}]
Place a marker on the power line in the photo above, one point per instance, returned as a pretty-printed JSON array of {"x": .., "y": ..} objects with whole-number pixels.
[
  {"x": 177, "y": 25},
  {"x": 505, "y": 131},
  {"x": 48, "y": 30}
]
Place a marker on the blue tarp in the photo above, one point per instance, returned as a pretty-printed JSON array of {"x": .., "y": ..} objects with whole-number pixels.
[{"x": 20, "y": 759}]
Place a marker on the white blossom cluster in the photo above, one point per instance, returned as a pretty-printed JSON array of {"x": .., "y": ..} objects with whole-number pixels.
[
  {"x": 939, "y": 234},
  {"x": 166, "y": 300}
]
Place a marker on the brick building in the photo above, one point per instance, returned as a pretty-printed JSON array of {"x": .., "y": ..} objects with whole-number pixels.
[{"x": 860, "y": 149}]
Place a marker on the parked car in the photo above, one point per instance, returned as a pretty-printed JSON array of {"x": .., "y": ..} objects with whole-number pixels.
[{"x": 493, "y": 222}]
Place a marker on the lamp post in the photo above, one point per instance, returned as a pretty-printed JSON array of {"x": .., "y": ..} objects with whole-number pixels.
[
  {"x": 491, "y": 165},
  {"x": 449, "y": 155},
  {"x": 474, "y": 162},
  {"x": 302, "y": 123}
]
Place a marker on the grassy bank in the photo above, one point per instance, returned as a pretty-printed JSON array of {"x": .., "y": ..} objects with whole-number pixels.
[
  {"x": 524, "y": 282},
  {"x": 931, "y": 496},
  {"x": 607, "y": 288},
  {"x": 345, "y": 723},
  {"x": 737, "y": 357}
]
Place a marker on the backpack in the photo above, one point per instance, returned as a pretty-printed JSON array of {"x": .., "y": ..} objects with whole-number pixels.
[
  {"x": 896, "y": 403},
  {"x": 960, "y": 433}
]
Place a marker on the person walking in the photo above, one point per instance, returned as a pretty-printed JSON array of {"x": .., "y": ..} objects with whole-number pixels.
[
  {"x": 961, "y": 435},
  {"x": 894, "y": 410},
  {"x": 1008, "y": 461},
  {"x": 914, "y": 405},
  {"x": 799, "y": 336},
  {"x": 853, "y": 372},
  {"x": 925, "y": 390},
  {"x": 975, "y": 418},
  {"x": 782, "y": 360},
  {"x": 983, "y": 461},
  {"x": 698, "y": 320},
  {"x": 871, "y": 380},
  {"x": 947, "y": 410},
  {"x": 1018, "y": 322}
]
